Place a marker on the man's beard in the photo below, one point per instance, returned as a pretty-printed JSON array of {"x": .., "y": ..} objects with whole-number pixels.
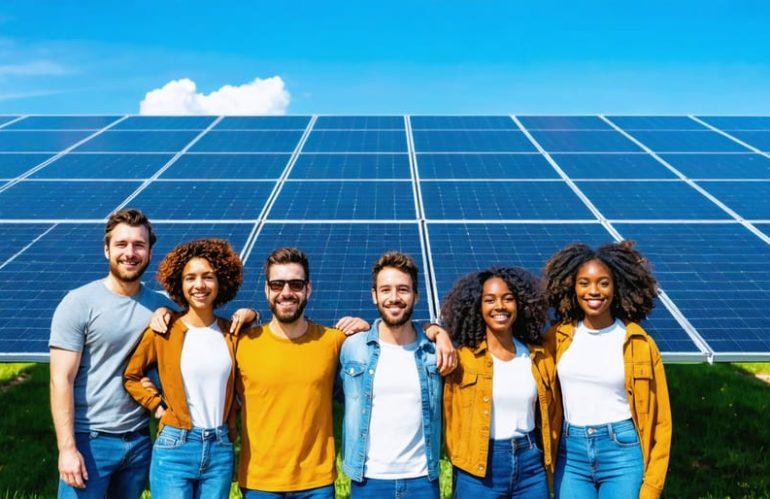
[
  {"x": 288, "y": 318},
  {"x": 406, "y": 317},
  {"x": 132, "y": 276}
]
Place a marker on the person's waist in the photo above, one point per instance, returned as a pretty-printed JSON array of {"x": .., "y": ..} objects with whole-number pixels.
[
  {"x": 597, "y": 429},
  {"x": 521, "y": 442},
  {"x": 197, "y": 433},
  {"x": 126, "y": 435}
]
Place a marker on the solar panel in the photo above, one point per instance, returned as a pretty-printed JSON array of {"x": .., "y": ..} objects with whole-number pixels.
[
  {"x": 457, "y": 192},
  {"x": 351, "y": 166},
  {"x": 13, "y": 165}
]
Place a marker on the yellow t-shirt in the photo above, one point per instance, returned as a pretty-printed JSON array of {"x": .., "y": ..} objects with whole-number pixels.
[{"x": 286, "y": 391}]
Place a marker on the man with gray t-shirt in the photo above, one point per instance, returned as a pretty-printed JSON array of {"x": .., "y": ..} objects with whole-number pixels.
[{"x": 102, "y": 434}]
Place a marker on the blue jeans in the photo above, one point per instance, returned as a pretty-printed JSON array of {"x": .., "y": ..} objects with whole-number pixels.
[
  {"x": 117, "y": 464},
  {"x": 325, "y": 492},
  {"x": 603, "y": 461},
  {"x": 191, "y": 463},
  {"x": 514, "y": 469},
  {"x": 406, "y": 488}
]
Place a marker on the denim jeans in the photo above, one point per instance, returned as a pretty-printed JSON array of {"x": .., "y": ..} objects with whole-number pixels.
[
  {"x": 117, "y": 465},
  {"x": 402, "y": 488},
  {"x": 325, "y": 492},
  {"x": 514, "y": 469},
  {"x": 603, "y": 461},
  {"x": 191, "y": 463}
]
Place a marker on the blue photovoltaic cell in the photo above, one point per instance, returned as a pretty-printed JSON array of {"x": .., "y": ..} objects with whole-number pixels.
[
  {"x": 483, "y": 166},
  {"x": 176, "y": 200},
  {"x": 262, "y": 141},
  {"x": 67, "y": 257},
  {"x": 472, "y": 141},
  {"x": 760, "y": 140},
  {"x": 6, "y": 119},
  {"x": 62, "y": 123},
  {"x": 750, "y": 200},
  {"x": 14, "y": 237},
  {"x": 227, "y": 166},
  {"x": 718, "y": 276},
  {"x": 118, "y": 166},
  {"x": 359, "y": 122},
  {"x": 462, "y": 123},
  {"x": 13, "y": 165},
  {"x": 582, "y": 141},
  {"x": 147, "y": 141},
  {"x": 341, "y": 258},
  {"x": 458, "y": 249},
  {"x": 40, "y": 141},
  {"x": 728, "y": 123},
  {"x": 615, "y": 166},
  {"x": 344, "y": 201},
  {"x": 668, "y": 141},
  {"x": 165, "y": 123},
  {"x": 263, "y": 123},
  {"x": 653, "y": 200},
  {"x": 495, "y": 200},
  {"x": 720, "y": 165},
  {"x": 350, "y": 166},
  {"x": 63, "y": 199},
  {"x": 563, "y": 123},
  {"x": 356, "y": 141},
  {"x": 656, "y": 123}
]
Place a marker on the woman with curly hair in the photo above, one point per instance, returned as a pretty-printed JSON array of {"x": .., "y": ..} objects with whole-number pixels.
[
  {"x": 193, "y": 453},
  {"x": 501, "y": 405},
  {"x": 617, "y": 419}
]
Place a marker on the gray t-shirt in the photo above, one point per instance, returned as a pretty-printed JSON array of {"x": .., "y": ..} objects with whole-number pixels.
[{"x": 105, "y": 327}]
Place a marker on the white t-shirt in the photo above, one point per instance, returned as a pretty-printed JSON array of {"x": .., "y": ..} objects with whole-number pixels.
[
  {"x": 396, "y": 447},
  {"x": 206, "y": 366},
  {"x": 592, "y": 376},
  {"x": 514, "y": 393}
]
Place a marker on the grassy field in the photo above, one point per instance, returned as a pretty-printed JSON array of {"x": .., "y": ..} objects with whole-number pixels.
[{"x": 721, "y": 444}]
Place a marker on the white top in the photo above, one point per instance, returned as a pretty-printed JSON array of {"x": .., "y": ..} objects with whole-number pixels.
[
  {"x": 592, "y": 376},
  {"x": 206, "y": 366},
  {"x": 514, "y": 394},
  {"x": 396, "y": 447}
]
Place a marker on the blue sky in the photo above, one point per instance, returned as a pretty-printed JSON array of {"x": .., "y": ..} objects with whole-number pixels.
[{"x": 393, "y": 57}]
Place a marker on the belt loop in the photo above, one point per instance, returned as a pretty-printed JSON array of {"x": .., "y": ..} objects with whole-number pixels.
[
  {"x": 183, "y": 435},
  {"x": 566, "y": 429},
  {"x": 611, "y": 430}
]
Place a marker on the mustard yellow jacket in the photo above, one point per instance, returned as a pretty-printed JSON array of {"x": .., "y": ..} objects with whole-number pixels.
[
  {"x": 468, "y": 407},
  {"x": 647, "y": 397}
]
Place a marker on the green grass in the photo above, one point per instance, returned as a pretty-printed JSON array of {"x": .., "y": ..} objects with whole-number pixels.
[{"x": 721, "y": 445}]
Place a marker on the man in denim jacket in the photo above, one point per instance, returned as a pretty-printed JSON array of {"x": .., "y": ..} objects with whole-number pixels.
[{"x": 392, "y": 387}]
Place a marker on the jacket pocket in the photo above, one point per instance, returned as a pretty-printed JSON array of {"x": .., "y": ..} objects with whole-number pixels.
[
  {"x": 353, "y": 379},
  {"x": 642, "y": 378},
  {"x": 467, "y": 389}
]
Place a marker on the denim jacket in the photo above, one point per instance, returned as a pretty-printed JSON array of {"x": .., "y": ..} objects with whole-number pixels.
[{"x": 358, "y": 362}]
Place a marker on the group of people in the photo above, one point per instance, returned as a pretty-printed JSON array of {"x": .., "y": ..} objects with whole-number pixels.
[{"x": 581, "y": 410}]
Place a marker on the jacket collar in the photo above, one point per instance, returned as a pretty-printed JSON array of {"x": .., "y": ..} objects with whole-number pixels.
[
  {"x": 373, "y": 335},
  {"x": 567, "y": 330},
  {"x": 179, "y": 325},
  {"x": 482, "y": 347}
]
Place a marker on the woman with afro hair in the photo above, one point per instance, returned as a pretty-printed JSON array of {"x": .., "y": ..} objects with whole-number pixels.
[
  {"x": 501, "y": 405},
  {"x": 617, "y": 420},
  {"x": 193, "y": 452}
]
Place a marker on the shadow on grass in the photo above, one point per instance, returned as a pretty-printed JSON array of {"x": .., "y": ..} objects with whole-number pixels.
[{"x": 721, "y": 443}]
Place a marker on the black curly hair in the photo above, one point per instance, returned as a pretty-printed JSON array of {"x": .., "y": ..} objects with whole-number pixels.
[
  {"x": 635, "y": 286},
  {"x": 461, "y": 310},
  {"x": 220, "y": 255}
]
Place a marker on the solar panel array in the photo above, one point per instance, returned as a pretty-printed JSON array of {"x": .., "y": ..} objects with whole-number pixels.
[{"x": 459, "y": 193}]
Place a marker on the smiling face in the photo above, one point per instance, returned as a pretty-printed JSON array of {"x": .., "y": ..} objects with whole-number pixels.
[
  {"x": 287, "y": 305},
  {"x": 594, "y": 289},
  {"x": 394, "y": 296},
  {"x": 199, "y": 284},
  {"x": 128, "y": 252},
  {"x": 498, "y": 307}
]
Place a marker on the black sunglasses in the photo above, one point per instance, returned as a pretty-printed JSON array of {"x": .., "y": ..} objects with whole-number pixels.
[{"x": 277, "y": 285}]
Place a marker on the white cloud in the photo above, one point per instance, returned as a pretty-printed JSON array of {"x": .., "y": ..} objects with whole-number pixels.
[
  {"x": 33, "y": 68},
  {"x": 179, "y": 97}
]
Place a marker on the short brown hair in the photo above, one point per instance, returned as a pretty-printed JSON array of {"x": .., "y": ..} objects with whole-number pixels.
[
  {"x": 283, "y": 256},
  {"x": 397, "y": 260},
  {"x": 220, "y": 255},
  {"x": 132, "y": 217}
]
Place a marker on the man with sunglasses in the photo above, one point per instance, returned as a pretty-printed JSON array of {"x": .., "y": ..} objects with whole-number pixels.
[{"x": 286, "y": 377}]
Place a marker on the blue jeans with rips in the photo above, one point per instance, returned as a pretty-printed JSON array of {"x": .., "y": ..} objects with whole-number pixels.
[
  {"x": 514, "y": 469},
  {"x": 117, "y": 465},
  {"x": 191, "y": 463},
  {"x": 599, "y": 462}
]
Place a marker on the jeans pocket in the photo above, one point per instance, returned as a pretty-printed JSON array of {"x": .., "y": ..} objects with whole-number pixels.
[
  {"x": 169, "y": 438},
  {"x": 626, "y": 438}
]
